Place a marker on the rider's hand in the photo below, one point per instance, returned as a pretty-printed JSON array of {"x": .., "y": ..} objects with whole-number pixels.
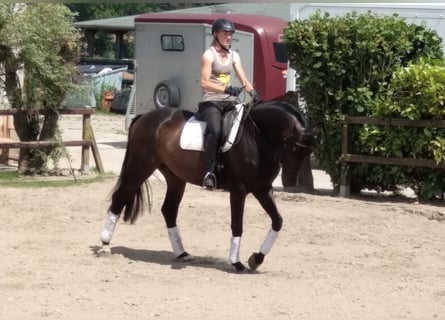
[
  {"x": 233, "y": 91},
  {"x": 255, "y": 96}
]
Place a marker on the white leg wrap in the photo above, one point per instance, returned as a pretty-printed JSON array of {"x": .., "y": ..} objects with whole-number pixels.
[
  {"x": 110, "y": 224},
  {"x": 269, "y": 241},
  {"x": 234, "y": 249},
  {"x": 175, "y": 240}
]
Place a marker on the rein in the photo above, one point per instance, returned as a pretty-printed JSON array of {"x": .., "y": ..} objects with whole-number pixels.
[{"x": 246, "y": 115}]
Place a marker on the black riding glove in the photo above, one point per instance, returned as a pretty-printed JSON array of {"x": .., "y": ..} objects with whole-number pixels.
[
  {"x": 255, "y": 96},
  {"x": 233, "y": 91}
]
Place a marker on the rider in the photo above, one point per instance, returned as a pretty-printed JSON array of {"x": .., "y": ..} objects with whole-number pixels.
[{"x": 218, "y": 96}]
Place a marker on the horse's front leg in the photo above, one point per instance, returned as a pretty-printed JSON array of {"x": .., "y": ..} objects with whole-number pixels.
[
  {"x": 266, "y": 199},
  {"x": 237, "y": 202}
]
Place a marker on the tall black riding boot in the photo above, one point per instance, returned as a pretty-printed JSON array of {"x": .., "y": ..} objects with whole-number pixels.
[{"x": 210, "y": 146}]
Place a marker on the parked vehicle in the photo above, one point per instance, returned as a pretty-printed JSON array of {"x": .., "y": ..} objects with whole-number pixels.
[{"x": 168, "y": 53}]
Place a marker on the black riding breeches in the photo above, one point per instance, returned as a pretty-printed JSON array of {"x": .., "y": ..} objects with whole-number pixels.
[{"x": 212, "y": 113}]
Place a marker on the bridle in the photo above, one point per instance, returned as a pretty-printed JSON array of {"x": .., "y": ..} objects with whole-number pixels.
[{"x": 291, "y": 144}]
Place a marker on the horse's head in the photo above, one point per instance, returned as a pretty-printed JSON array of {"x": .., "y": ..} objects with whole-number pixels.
[
  {"x": 296, "y": 147},
  {"x": 301, "y": 141},
  {"x": 297, "y": 142}
]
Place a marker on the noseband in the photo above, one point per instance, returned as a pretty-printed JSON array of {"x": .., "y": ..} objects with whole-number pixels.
[{"x": 290, "y": 144}]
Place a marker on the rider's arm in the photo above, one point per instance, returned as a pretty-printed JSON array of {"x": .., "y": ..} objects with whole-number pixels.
[
  {"x": 240, "y": 72},
  {"x": 206, "y": 72}
]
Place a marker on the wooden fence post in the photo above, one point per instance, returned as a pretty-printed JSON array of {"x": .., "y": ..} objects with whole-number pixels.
[
  {"x": 95, "y": 150},
  {"x": 85, "y": 159},
  {"x": 345, "y": 177}
]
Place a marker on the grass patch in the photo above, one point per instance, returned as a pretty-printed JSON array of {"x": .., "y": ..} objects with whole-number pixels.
[{"x": 13, "y": 179}]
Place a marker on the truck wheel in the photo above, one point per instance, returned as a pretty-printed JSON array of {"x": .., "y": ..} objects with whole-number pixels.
[{"x": 166, "y": 94}]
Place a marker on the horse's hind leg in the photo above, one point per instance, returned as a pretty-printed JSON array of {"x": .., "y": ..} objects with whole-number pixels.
[
  {"x": 128, "y": 187},
  {"x": 265, "y": 198},
  {"x": 170, "y": 207}
]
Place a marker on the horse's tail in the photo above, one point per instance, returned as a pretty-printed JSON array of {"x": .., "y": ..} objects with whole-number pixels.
[{"x": 134, "y": 206}]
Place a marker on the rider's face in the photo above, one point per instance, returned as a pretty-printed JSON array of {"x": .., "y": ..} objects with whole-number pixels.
[{"x": 224, "y": 37}]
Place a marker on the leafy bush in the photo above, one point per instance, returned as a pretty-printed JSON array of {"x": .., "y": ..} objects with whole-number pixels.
[
  {"x": 415, "y": 92},
  {"x": 343, "y": 64}
]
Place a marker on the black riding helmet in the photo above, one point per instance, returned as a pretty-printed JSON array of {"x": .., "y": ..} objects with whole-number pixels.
[{"x": 223, "y": 24}]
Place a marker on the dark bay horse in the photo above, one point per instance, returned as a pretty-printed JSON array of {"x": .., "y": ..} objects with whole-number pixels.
[{"x": 273, "y": 134}]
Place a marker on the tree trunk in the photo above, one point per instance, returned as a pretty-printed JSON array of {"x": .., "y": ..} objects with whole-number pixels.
[
  {"x": 26, "y": 124},
  {"x": 49, "y": 127},
  {"x": 49, "y": 132}
]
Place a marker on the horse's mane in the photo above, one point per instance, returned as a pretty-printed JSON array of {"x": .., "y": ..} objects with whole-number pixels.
[{"x": 289, "y": 108}]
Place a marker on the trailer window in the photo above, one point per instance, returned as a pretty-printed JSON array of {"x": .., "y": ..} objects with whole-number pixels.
[
  {"x": 280, "y": 51},
  {"x": 172, "y": 42}
]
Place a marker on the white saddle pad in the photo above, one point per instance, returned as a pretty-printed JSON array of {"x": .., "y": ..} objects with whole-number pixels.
[{"x": 192, "y": 135}]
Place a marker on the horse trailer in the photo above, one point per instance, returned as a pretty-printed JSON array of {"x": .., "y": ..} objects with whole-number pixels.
[{"x": 168, "y": 49}]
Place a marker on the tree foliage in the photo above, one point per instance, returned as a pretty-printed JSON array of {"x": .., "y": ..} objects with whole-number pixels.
[{"x": 38, "y": 48}]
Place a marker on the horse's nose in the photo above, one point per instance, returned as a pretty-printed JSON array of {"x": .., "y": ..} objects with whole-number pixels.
[{"x": 308, "y": 139}]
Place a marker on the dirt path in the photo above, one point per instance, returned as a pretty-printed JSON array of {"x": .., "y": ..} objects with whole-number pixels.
[{"x": 336, "y": 258}]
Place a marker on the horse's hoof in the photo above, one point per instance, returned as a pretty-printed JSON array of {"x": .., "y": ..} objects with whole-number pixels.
[
  {"x": 185, "y": 257},
  {"x": 255, "y": 260},
  {"x": 104, "y": 251},
  {"x": 239, "y": 267}
]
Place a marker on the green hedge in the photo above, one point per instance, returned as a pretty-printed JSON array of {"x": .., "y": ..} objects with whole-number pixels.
[
  {"x": 345, "y": 66},
  {"x": 415, "y": 92}
]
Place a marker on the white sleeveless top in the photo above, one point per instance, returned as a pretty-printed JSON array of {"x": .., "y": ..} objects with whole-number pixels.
[{"x": 220, "y": 75}]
